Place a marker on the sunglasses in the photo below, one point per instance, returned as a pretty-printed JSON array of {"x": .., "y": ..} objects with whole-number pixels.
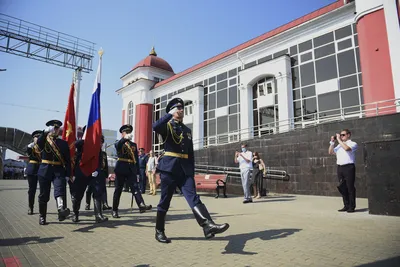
[
  {"x": 179, "y": 107},
  {"x": 343, "y": 134}
]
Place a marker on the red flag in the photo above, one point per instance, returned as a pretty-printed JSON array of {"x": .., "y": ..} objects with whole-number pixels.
[{"x": 69, "y": 132}]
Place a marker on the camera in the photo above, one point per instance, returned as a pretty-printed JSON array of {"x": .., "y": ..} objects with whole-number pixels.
[{"x": 334, "y": 138}]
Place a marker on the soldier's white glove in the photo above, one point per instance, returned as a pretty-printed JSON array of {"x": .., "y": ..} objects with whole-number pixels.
[
  {"x": 31, "y": 145},
  {"x": 138, "y": 178},
  {"x": 67, "y": 179},
  {"x": 49, "y": 129},
  {"x": 129, "y": 136},
  {"x": 95, "y": 173},
  {"x": 172, "y": 111}
]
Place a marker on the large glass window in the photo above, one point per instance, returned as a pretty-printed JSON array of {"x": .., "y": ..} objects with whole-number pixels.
[{"x": 130, "y": 113}]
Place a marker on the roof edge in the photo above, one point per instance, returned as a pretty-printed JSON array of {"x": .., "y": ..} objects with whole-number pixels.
[{"x": 294, "y": 23}]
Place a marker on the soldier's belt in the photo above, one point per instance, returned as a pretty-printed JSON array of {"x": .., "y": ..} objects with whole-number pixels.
[
  {"x": 51, "y": 162},
  {"x": 176, "y": 155},
  {"x": 126, "y": 160},
  {"x": 34, "y": 162}
]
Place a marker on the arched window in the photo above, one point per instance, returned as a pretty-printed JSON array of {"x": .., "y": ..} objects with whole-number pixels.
[{"x": 130, "y": 113}]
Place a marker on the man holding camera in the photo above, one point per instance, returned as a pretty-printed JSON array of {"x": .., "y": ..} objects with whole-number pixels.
[
  {"x": 245, "y": 160},
  {"x": 346, "y": 170}
]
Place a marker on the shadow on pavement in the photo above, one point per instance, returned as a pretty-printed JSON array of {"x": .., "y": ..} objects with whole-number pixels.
[
  {"x": 391, "y": 262},
  {"x": 137, "y": 221},
  {"x": 27, "y": 240},
  {"x": 272, "y": 200},
  {"x": 237, "y": 243}
]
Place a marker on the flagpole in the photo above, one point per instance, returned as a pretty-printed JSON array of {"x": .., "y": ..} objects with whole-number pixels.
[{"x": 77, "y": 78}]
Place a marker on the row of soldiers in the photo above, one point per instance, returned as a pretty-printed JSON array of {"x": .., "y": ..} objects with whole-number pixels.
[{"x": 49, "y": 160}]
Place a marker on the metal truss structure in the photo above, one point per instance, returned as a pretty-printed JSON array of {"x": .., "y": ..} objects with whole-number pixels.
[{"x": 29, "y": 40}]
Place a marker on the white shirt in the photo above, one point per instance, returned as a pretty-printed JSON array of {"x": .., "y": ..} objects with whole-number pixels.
[
  {"x": 151, "y": 164},
  {"x": 344, "y": 157},
  {"x": 242, "y": 163}
]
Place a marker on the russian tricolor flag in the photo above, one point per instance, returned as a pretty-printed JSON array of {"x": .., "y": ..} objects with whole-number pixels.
[{"x": 93, "y": 132}]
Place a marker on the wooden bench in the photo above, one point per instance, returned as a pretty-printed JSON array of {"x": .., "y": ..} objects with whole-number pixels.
[
  {"x": 111, "y": 179},
  {"x": 211, "y": 181}
]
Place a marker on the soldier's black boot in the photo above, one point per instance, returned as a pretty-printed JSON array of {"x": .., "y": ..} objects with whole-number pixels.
[
  {"x": 42, "y": 213},
  {"x": 204, "y": 220},
  {"x": 62, "y": 211},
  {"x": 105, "y": 206},
  {"x": 160, "y": 228},
  {"x": 76, "y": 204},
  {"x": 31, "y": 201},
  {"x": 143, "y": 207},
  {"x": 98, "y": 212}
]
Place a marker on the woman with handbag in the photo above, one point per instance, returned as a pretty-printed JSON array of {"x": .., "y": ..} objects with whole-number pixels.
[{"x": 258, "y": 171}]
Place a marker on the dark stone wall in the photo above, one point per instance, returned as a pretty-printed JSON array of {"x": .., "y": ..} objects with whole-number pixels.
[
  {"x": 303, "y": 153},
  {"x": 382, "y": 167}
]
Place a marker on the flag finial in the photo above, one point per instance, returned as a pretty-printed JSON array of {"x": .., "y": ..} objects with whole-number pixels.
[{"x": 101, "y": 52}]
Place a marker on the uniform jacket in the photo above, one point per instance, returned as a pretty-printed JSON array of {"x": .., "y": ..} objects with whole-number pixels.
[
  {"x": 34, "y": 155},
  {"x": 124, "y": 148},
  {"x": 47, "y": 153},
  {"x": 175, "y": 164}
]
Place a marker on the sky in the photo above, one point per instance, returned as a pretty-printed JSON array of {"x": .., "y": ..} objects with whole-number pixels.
[{"x": 184, "y": 33}]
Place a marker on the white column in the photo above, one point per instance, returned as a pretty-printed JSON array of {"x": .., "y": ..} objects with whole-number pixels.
[
  {"x": 197, "y": 97},
  {"x": 285, "y": 95},
  {"x": 246, "y": 112},
  {"x": 393, "y": 32}
]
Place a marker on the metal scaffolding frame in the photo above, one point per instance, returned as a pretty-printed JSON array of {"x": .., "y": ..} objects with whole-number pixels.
[{"x": 29, "y": 40}]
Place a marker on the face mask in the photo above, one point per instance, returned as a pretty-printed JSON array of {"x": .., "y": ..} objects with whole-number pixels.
[{"x": 244, "y": 149}]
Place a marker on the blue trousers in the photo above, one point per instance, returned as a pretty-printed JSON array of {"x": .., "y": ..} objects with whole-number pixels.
[
  {"x": 131, "y": 179},
  {"x": 142, "y": 180},
  {"x": 32, "y": 182},
  {"x": 169, "y": 182},
  {"x": 59, "y": 184}
]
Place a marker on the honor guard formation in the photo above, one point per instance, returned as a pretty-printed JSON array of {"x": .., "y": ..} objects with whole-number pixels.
[{"x": 50, "y": 162}]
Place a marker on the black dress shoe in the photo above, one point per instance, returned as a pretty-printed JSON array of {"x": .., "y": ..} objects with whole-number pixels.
[
  {"x": 42, "y": 221},
  {"x": 343, "y": 209},
  {"x": 350, "y": 210},
  {"x": 30, "y": 212},
  {"x": 115, "y": 214},
  {"x": 143, "y": 207},
  {"x": 161, "y": 237}
]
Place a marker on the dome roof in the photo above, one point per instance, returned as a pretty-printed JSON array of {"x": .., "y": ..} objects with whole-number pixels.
[{"x": 153, "y": 61}]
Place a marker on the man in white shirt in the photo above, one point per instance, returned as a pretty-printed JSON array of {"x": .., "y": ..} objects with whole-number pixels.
[
  {"x": 245, "y": 160},
  {"x": 345, "y": 158}
]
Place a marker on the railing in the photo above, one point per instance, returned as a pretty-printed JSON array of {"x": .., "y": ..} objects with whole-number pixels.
[
  {"x": 309, "y": 120},
  {"x": 235, "y": 172}
]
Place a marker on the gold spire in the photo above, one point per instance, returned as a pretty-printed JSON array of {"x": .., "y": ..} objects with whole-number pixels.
[{"x": 153, "y": 52}]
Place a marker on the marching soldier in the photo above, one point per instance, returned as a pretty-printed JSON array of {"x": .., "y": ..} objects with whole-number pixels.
[
  {"x": 33, "y": 153},
  {"x": 55, "y": 167},
  {"x": 127, "y": 169},
  {"x": 81, "y": 182},
  {"x": 176, "y": 168},
  {"x": 98, "y": 185}
]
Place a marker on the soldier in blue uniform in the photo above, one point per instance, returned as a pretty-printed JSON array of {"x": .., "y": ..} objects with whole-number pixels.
[
  {"x": 176, "y": 168},
  {"x": 55, "y": 167},
  {"x": 81, "y": 182},
  {"x": 143, "y": 158},
  {"x": 33, "y": 152},
  {"x": 127, "y": 169}
]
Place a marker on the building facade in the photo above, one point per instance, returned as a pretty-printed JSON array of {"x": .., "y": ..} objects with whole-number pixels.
[{"x": 337, "y": 62}]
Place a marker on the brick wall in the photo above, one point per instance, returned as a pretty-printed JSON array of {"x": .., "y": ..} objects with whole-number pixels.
[{"x": 304, "y": 155}]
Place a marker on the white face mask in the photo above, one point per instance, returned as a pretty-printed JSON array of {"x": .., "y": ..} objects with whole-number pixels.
[{"x": 244, "y": 149}]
